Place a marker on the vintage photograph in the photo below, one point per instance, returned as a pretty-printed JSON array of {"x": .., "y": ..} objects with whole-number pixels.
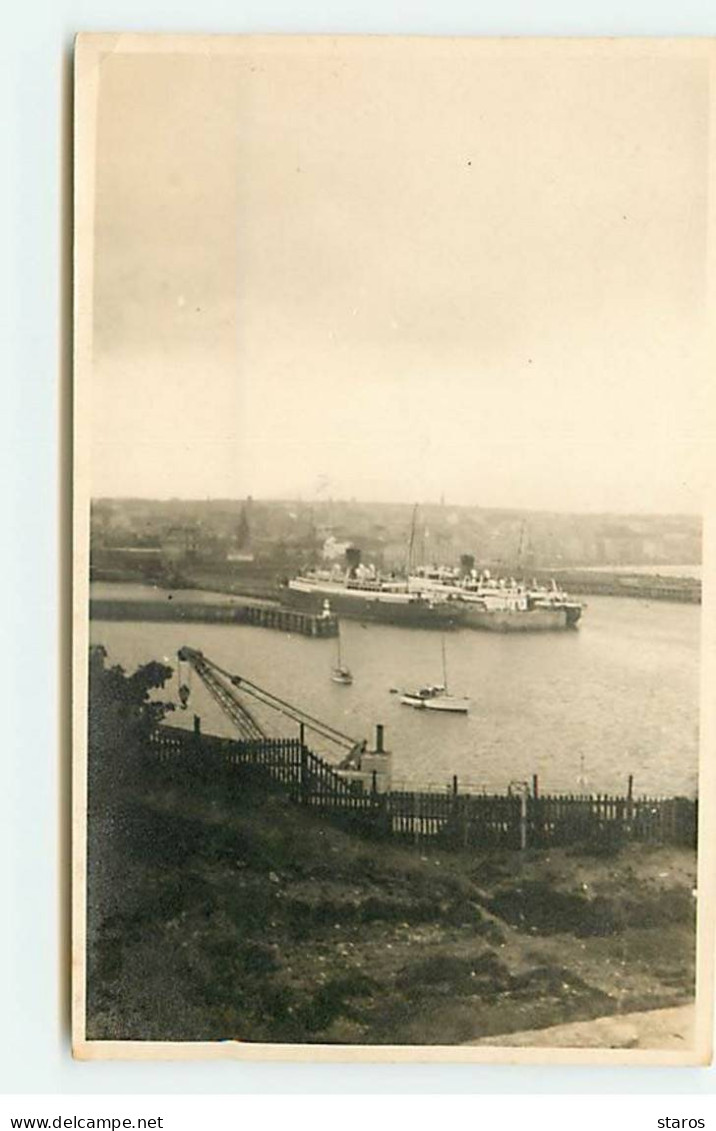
[{"x": 394, "y": 419}]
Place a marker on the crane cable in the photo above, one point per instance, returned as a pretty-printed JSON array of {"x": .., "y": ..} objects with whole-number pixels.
[
  {"x": 288, "y": 710},
  {"x": 295, "y": 713}
]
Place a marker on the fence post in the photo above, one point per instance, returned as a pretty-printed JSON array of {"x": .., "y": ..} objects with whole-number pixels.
[
  {"x": 522, "y": 789},
  {"x": 196, "y": 741},
  {"x": 535, "y": 827},
  {"x": 523, "y": 820},
  {"x": 453, "y": 823},
  {"x": 386, "y": 816},
  {"x": 303, "y": 787}
]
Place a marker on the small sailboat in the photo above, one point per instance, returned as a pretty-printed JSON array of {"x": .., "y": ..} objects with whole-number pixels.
[
  {"x": 340, "y": 673},
  {"x": 436, "y": 697}
]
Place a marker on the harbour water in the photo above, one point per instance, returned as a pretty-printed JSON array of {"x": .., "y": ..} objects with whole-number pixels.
[{"x": 582, "y": 709}]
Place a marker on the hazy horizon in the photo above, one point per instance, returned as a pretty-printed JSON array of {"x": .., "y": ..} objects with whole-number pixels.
[
  {"x": 391, "y": 272},
  {"x": 336, "y": 500}
]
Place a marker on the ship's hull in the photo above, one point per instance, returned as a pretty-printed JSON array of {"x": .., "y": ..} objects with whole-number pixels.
[
  {"x": 505, "y": 608},
  {"x": 520, "y": 620},
  {"x": 370, "y": 607},
  {"x": 342, "y": 677},
  {"x": 573, "y": 612},
  {"x": 452, "y": 706}
]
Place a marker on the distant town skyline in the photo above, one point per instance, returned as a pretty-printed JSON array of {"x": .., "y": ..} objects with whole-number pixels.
[
  {"x": 353, "y": 500},
  {"x": 322, "y": 269}
]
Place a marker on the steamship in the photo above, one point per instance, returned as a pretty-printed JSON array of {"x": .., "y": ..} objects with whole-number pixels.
[
  {"x": 500, "y": 604},
  {"x": 362, "y": 594}
]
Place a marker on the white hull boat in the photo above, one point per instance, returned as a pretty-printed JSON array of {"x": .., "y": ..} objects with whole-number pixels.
[
  {"x": 340, "y": 673},
  {"x": 435, "y": 699}
]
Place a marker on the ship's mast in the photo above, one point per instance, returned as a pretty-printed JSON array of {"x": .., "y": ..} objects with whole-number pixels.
[
  {"x": 411, "y": 541},
  {"x": 523, "y": 549},
  {"x": 521, "y": 546}
]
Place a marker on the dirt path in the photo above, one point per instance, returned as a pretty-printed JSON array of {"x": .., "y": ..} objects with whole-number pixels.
[{"x": 653, "y": 1029}]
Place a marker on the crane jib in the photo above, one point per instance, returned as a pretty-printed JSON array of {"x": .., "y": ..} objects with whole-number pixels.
[{"x": 209, "y": 672}]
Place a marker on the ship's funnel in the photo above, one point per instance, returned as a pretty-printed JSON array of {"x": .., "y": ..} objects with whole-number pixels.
[{"x": 352, "y": 559}]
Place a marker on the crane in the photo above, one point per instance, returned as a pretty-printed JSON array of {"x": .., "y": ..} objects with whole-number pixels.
[{"x": 223, "y": 685}]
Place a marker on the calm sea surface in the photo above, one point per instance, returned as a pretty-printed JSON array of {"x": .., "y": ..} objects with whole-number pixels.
[{"x": 582, "y": 709}]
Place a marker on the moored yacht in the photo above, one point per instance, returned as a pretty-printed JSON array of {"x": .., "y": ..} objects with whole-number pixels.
[
  {"x": 435, "y": 697},
  {"x": 339, "y": 673}
]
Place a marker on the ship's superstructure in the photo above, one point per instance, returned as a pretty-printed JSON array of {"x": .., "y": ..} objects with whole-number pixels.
[{"x": 499, "y": 604}]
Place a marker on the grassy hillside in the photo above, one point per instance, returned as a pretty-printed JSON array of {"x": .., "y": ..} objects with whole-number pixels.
[{"x": 240, "y": 917}]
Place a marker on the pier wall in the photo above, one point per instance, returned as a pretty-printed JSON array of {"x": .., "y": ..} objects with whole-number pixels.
[
  {"x": 648, "y": 587},
  {"x": 263, "y": 616}
]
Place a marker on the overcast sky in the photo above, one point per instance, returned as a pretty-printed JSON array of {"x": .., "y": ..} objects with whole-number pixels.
[{"x": 335, "y": 268}]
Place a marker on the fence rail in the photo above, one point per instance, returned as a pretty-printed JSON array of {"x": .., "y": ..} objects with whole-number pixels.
[{"x": 461, "y": 820}]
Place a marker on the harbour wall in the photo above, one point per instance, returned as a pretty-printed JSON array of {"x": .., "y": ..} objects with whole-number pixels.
[
  {"x": 262, "y": 616},
  {"x": 647, "y": 587}
]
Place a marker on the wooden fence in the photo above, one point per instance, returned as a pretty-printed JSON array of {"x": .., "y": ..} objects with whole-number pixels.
[{"x": 459, "y": 820}]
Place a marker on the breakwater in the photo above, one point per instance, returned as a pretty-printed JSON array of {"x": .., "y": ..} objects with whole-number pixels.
[
  {"x": 647, "y": 587},
  {"x": 188, "y": 612}
]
